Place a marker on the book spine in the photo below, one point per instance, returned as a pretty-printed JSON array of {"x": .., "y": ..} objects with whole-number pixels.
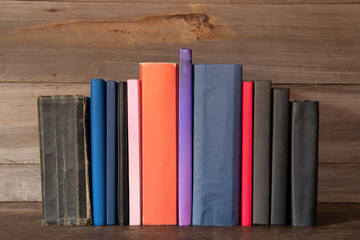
[
  {"x": 110, "y": 152},
  {"x": 185, "y": 137},
  {"x": 261, "y": 153},
  {"x": 123, "y": 157},
  {"x": 134, "y": 131},
  {"x": 217, "y": 144},
  {"x": 159, "y": 143},
  {"x": 246, "y": 168},
  {"x": 63, "y": 152},
  {"x": 280, "y": 157},
  {"x": 304, "y": 162},
  {"x": 98, "y": 149}
]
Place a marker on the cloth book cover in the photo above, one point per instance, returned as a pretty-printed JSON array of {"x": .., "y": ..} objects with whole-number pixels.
[
  {"x": 123, "y": 157},
  {"x": 98, "y": 149},
  {"x": 111, "y": 93},
  {"x": 246, "y": 164},
  {"x": 134, "y": 132},
  {"x": 280, "y": 160},
  {"x": 261, "y": 153},
  {"x": 185, "y": 137},
  {"x": 217, "y": 144},
  {"x": 64, "y": 152},
  {"x": 304, "y": 162},
  {"x": 159, "y": 143}
]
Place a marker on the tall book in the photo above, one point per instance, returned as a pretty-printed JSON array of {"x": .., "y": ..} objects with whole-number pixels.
[
  {"x": 261, "y": 153},
  {"x": 111, "y": 88},
  {"x": 280, "y": 157},
  {"x": 159, "y": 143},
  {"x": 217, "y": 144},
  {"x": 246, "y": 165},
  {"x": 123, "y": 156},
  {"x": 134, "y": 133},
  {"x": 185, "y": 137},
  {"x": 98, "y": 149},
  {"x": 304, "y": 162},
  {"x": 64, "y": 151}
]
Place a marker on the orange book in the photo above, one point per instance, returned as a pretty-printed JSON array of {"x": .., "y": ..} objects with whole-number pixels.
[{"x": 159, "y": 143}]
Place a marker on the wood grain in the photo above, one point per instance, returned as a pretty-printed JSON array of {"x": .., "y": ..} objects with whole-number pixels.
[
  {"x": 339, "y": 183},
  {"x": 339, "y": 119},
  {"x": 22, "y": 220},
  {"x": 73, "y": 41},
  {"x": 19, "y": 138},
  {"x": 20, "y": 183},
  {"x": 214, "y": 1}
]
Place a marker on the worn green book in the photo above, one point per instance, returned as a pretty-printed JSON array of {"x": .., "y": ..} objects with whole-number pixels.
[{"x": 64, "y": 148}]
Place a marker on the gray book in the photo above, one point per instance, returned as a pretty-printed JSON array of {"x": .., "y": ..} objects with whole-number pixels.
[
  {"x": 64, "y": 147},
  {"x": 261, "y": 153}
]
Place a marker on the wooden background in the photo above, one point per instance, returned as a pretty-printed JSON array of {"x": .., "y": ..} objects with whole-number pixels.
[{"x": 56, "y": 47}]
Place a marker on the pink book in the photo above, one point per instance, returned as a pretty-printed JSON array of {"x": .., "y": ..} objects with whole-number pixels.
[{"x": 134, "y": 133}]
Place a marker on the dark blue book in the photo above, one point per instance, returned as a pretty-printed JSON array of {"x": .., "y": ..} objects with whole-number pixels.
[
  {"x": 111, "y": 89},
  {"x": 98, "y": 149},
  {"x": 217, "y": 144}
]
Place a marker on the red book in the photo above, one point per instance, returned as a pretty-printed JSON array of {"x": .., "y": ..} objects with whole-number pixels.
[
  {"x": 246, "y": 169},
  {"x": 159, "y": 143}
]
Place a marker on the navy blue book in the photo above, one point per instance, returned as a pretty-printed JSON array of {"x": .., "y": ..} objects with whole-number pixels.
[
  {"x": 111, "y": 89},
  {"x": 98, "y": 149},
  {"x": 217, "y": 144}
]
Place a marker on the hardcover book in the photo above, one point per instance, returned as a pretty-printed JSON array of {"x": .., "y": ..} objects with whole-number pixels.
[
  {"x": 280, "y": 157},
  {"x": 261, "y": 153},
  {"x": 185, "y": 137},
  {"x": 98, "y": 149},
  {"x": 134, "y": 131},
  {"x": 159, "y": 143},
  {"x": 111, "y": 152},
  {"x": 64, "y": 152},
  {"x": 123, "y": 157},
  {"x": 246, "y": 167},
  {"x": 217, "y": 144},
  {"x": 304, "y": 162}
]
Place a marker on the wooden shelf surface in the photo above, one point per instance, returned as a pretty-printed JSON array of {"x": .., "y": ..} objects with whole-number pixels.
[{"x": 22, "y": 220}]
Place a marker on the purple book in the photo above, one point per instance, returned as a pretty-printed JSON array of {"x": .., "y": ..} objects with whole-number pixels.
[{"x": 185, "y": 137}]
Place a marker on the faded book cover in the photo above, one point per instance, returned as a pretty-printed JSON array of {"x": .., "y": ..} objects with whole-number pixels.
[{"x": 64, "y": 157}]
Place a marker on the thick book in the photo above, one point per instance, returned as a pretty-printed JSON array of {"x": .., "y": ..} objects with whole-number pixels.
[
  {"x": 134, "y": 132},
  {"x": 65, "y": 166},
  {"x": 246, "y": 164},
  {"x": 98, "y": 149},
  {"x": 185, "y": 137},
  {"x": 123, "y": 156},
  {"x": 217, "y": 144},
  {"x": 304, "y": 162},
  {"x": 111, "y": 92},
  {"x": 159, "y": 143},
  {"x": 261, "y": 153},
  {"x": 280, "y": 160}
]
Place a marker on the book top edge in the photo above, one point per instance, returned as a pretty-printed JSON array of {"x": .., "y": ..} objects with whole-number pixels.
[
  {"x": 63, "y": 96},
  {"x": 158, "y": 63}
]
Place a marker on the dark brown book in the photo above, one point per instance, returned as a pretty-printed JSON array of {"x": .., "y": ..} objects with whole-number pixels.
[{"x": 64, "y": 147}]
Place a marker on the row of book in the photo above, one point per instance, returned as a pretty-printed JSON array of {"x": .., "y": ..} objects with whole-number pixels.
[{"x": 187, "y": 144}]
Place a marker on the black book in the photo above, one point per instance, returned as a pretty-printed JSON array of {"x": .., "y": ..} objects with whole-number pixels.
[
  {"x": 279, "y": 157},
  {"x": 304, "y": 162},
  {"x": 64, "y": 158},
  {"x": 261, "y": 153},
  {"x": 123, "y": 158}
]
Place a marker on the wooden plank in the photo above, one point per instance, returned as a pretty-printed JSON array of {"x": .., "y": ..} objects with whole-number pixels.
[
  {"x": 214, "y": 1},
  {"x": 335, "y": 221},
  {"x": 20, "y": 183},
  {"x": 19, "y": 138},
  {"x": 72, "y": 41},
  {"x": 339, "y": 183},
  {"x": 339, "y": 138},
  {"x": 19, "y": 142}
]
